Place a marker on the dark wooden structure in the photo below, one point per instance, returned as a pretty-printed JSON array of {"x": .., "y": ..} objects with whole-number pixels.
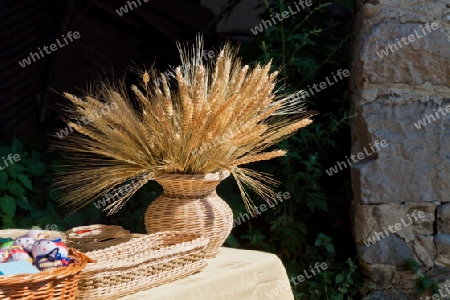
[{"x": 109, "y": 43}]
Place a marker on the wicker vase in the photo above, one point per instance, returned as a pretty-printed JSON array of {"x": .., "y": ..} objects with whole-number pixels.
[{"x": 190, "y": 203}]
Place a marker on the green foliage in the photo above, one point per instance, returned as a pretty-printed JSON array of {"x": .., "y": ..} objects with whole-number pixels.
[
  {"x": 412, "y": 265},
  {"x": 27, "y": 198},
  {"x": 338, "y": 282},
  {"x": 24, "y": 177},
  {"x": 423, "y": 283},
  {"x": 306, "y": 48}
]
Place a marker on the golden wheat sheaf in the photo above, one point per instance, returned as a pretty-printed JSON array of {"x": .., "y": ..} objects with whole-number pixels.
[{"x": 210, "y": 117}]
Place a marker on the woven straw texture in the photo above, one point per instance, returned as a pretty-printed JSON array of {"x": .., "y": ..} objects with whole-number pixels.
[
  {"x": 58, "y": 283},
  {"x": 99, "y": 237},
  {"x": 190, "y": 203},
  {"x": 142, "y": 263}
]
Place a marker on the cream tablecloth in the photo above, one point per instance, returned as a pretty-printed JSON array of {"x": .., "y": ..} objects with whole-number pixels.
[{"x": 232, "y": 275}]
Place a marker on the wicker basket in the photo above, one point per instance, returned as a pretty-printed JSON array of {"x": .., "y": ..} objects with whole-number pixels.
[
  {"x": 190, "y": 202},
  {"x": 96, "y": 237},
  {"x": 59, "y": 283},
  {"x": 142, "y": 263}
]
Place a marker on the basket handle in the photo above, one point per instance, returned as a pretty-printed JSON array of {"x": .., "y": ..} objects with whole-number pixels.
[{"x": 75, "y": 252}]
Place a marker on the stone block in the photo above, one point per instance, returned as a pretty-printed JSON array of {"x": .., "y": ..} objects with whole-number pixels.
[
  {"x": 443, "y": 218},
  {"x": 369, "y": 219},
  {"x": 442, "y": 242},
  {"x": 390, "y": 250},
  {"x": 415, "y": 164},
  {"x": 386, "y": 277}
]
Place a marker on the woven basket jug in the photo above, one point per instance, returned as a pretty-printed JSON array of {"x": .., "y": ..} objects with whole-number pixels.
[{"x": 190, "y": 203}]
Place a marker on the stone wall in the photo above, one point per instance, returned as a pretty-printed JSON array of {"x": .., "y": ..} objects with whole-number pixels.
[{"x": 391, "y": 92}]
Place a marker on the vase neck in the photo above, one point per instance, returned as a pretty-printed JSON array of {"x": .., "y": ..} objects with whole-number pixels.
[
  {"x": 188, "y": 188},
  {"x": 188, "y": 196}
]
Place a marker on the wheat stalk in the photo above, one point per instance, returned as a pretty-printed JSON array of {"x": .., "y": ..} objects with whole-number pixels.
[{"x": 209, "y": 118}]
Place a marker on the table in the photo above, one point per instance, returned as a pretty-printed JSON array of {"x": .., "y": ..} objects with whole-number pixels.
[{"x": 233, "y": 275}]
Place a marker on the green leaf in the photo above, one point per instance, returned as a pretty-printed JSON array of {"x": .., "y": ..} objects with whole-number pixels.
[
  {"x": 54, "y": 194},
  {"x": 8, "y": 206},
  {"x": 3, "y": 179},
  {"x": 318, "y": 241},
  {"x": 412, "y": 264},
  {"x": 4, "y": 151},
  {"x": 25, "y": 181},
  {"x": 39, "y": 214},
  {"x": 73, "y": 219},
  {"x": 339, "y": 278},
  {"x": 34, "y": 167},
  {"x": 24, "y": 204},
  {"x": 50, "y": 206},
  {"x": 232, "y": 241},
  {"x": 25, "y": 223},
  {"x": 418, "y": 289},
  {"x": 8, "y": 222},
  {"x": 15, "y": 169},
  {"x": 16, "y": 146},
  {"x": 15, "y": 188},
  {"x": 47, "y": 220},
  {"x": 330, "y": 248},
  {"x": 427, "y": 283}
]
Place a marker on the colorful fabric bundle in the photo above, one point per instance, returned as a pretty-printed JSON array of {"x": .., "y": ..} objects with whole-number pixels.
[
  {"x": 55, "y": 258},
  {"x": 34, "y": 247}
]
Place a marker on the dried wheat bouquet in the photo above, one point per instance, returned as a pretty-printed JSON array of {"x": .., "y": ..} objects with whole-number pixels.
[{"x": 210, "y": 117}]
